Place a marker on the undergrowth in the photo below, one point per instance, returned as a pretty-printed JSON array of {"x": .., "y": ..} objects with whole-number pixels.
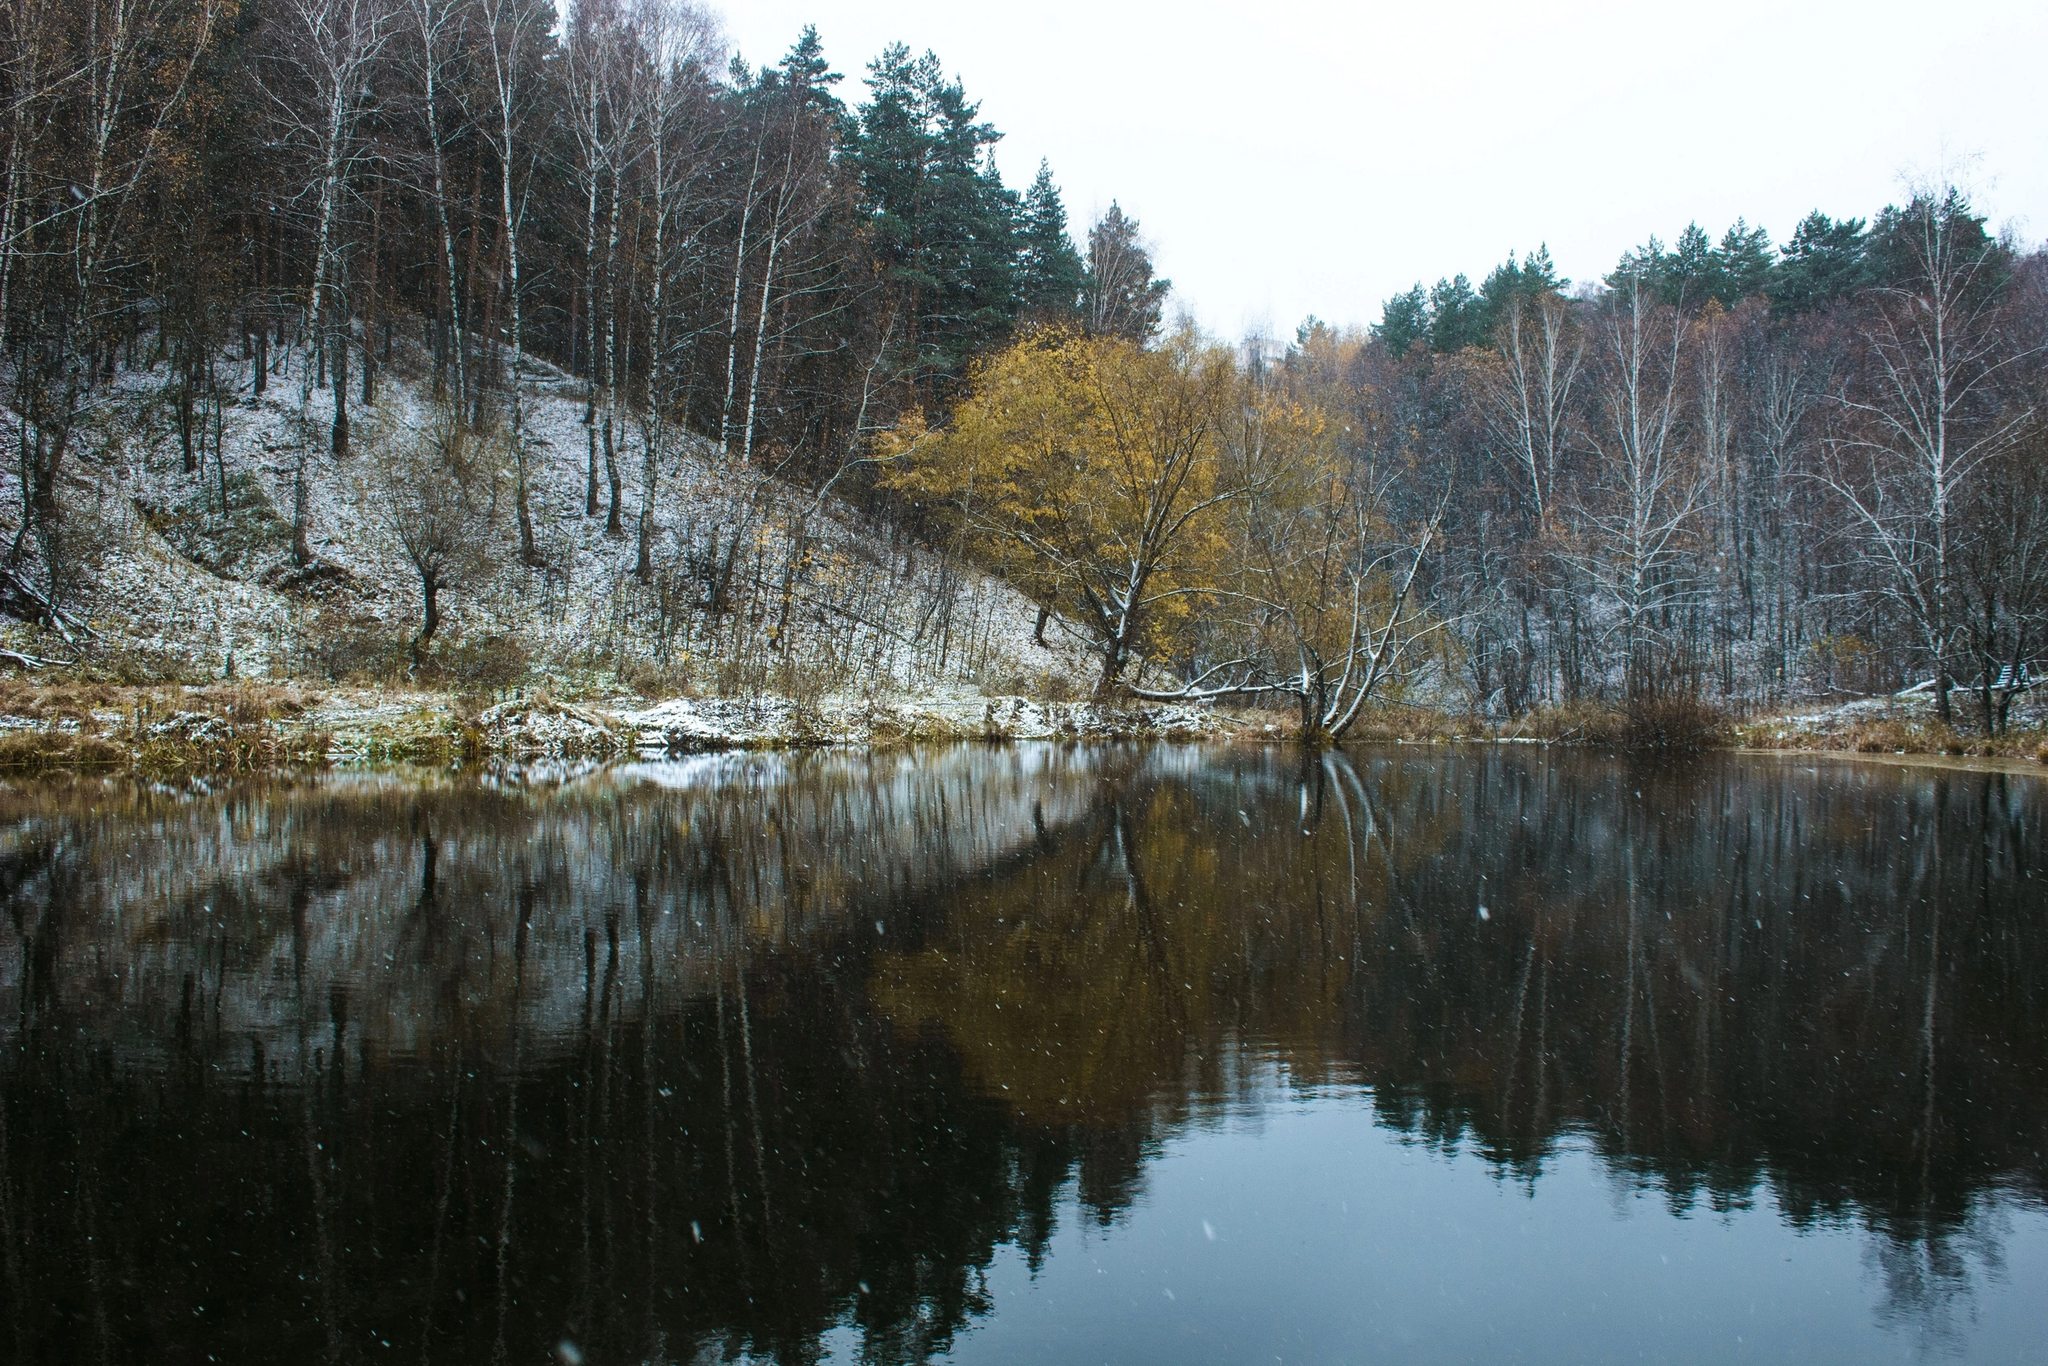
[
  {"x": 161, "y": 731},
  {"x": 1896, "y": 735}
]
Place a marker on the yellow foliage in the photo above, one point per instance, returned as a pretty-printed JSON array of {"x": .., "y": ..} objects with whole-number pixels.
[{"x": 1090, "y": 470}]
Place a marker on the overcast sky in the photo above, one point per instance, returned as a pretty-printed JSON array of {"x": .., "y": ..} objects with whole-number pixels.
[{"x": 1296, "y": 158}]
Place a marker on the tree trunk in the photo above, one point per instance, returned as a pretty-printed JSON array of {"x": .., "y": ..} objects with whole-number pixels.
[
  {"x": 430, "y": 612},
  {"x": 339, "y": 352},
  {"x": 302, "y": 553},
  {"x": 643, "y": 560},
  {"x": 185, "y": 417},
  {"x": 613, "y": 526}
]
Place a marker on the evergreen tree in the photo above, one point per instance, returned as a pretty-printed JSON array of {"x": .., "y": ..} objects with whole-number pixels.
[
  {"x": 804, "y": 68},
  {"x": 1509, "y": 282},
  {"x": 1050, "y": 275},
  {"x": 943, "y": 223},
  {"x": 1743, "y": 263},
  {"x": 1894, "y": 256},
  {"x": 1404, "y": 321},
  {"x": 1644, "y": 266},
  {"x": 1690, "y": 273},
  {"x": 1823, "y": 262},
  {"x": 1457, "y": 317},
  {"x": 1695, "y": 269},
  {"x": 1119, "y": 294}
]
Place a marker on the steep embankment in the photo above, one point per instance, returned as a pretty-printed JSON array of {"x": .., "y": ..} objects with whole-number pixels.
[{"x": 750, "y": 586}]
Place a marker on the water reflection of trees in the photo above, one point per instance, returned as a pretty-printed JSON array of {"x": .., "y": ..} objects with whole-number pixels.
[{"x": 677, "y": 1069}]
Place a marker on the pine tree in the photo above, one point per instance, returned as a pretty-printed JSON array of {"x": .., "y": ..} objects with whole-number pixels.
[
  {"x": 1644, "y": 266},
  {"x": 1404, "y": 321},
  {"x": 1690, "y": 274},
  {"x": 1743, "y": 263},
  {"x": 1457, "y": 317},
  {"x": 1120, "y": 296},
  {"x": 1894, "y": 252},
  {"x": 944, "y": 225},
  {"x": 805, "y": 65},
  {"x": 1508, "y": 283},
  {"x": 1050, "y": 275},
  {"x": 1823, "y": 262}
]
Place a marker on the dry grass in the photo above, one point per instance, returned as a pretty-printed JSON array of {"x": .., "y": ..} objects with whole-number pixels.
[
  {"x": 1896, "y": 735},
  {"x": 1675, "y": 724},
  {"x": 1573, "y": 723},
  {"x": 161, "y": 731},
  {"x": 34, "y": 752},
  {"x": 1680, "y": 725},
  {"x": 1578, "y": 723}
]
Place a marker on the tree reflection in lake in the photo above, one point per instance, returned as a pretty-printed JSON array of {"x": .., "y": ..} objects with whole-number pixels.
[{"x": 727, "y": 1058}]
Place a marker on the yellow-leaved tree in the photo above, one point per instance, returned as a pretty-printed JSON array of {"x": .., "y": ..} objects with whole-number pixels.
[
  {"x": 1330, "y": 551},
  {"x": 1091, "y": 472}
]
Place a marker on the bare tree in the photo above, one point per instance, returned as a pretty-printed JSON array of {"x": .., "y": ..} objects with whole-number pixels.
[
  {"x": 1646, "y": 491},
  {"x": 1923, "y": 422},
  {"x": 1528, "y": 397},
  {"x": 318, "y": 87},
  {"x": 438, "y": 34},
  {"x": 109, "y": 78},
  {"x": 605, "y": 72},
  {"x": 515, "y": 35},
  {"x": 683, "y": 45},
  {"x": 438, "y": 494},
  {"x": 1120, "y": 296}
]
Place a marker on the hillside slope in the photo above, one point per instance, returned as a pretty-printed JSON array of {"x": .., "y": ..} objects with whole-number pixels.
[{"x": 753, "y": 585}]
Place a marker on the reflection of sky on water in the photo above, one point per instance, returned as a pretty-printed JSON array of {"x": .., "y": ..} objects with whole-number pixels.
[{"x": 1310, "y": 1234}]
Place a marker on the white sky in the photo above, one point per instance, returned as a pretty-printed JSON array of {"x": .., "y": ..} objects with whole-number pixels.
[{"x": 1289, "y": 158}]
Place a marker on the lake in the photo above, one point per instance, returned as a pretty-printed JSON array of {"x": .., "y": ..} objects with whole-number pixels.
[{"x": 1040, "y": 1053}]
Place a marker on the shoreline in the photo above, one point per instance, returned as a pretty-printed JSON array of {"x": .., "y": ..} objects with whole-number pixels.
[{"x": 250, "y": 727}]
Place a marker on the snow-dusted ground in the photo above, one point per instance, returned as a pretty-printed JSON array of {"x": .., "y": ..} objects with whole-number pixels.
[
  {"x": 689, "y": 725},
  {"x": 165, "y": 574},
  {"x": 1817, "y": 727}
]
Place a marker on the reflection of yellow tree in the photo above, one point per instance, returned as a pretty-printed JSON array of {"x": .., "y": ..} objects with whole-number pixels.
[{"x": 1110, "y": 976}]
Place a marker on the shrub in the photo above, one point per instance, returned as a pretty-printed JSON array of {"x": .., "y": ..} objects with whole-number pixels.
[
  {"x": 345, "y": 648},
  {"x": 485, "y": 664},
  {"x": 1581, "y": 722},
  {"x": 1674, "y": 721},
  {"x": 655, "y": 682}
]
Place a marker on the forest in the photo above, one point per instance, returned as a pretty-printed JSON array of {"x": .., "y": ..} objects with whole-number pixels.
[{"x": 1728, "y": 476}]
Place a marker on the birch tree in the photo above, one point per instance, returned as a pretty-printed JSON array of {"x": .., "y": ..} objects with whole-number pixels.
[
  {"x": 683, "y": 45},
  {"x": 1922, "y": 422},
  {"x": 437, "y": 33},
  {"x": 515, "y": 35},
  {"x": 318, "y": 87},
  {"x": 1646, "y": 492},
  {"x": 604, "y": 114},
  {"x": 1528, "y": 398},
  {"x": 115, "y": 88}
]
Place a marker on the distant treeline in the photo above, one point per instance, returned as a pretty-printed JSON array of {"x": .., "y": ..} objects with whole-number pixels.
[
  {"x": 1722, "y": 477},
  {"x": 1827, "y": 260},
  {"x": 1728, "y": 471}
]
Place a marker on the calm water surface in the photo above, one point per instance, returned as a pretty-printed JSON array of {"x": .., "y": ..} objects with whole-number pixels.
[{"x": 1034, "y": 1055}]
